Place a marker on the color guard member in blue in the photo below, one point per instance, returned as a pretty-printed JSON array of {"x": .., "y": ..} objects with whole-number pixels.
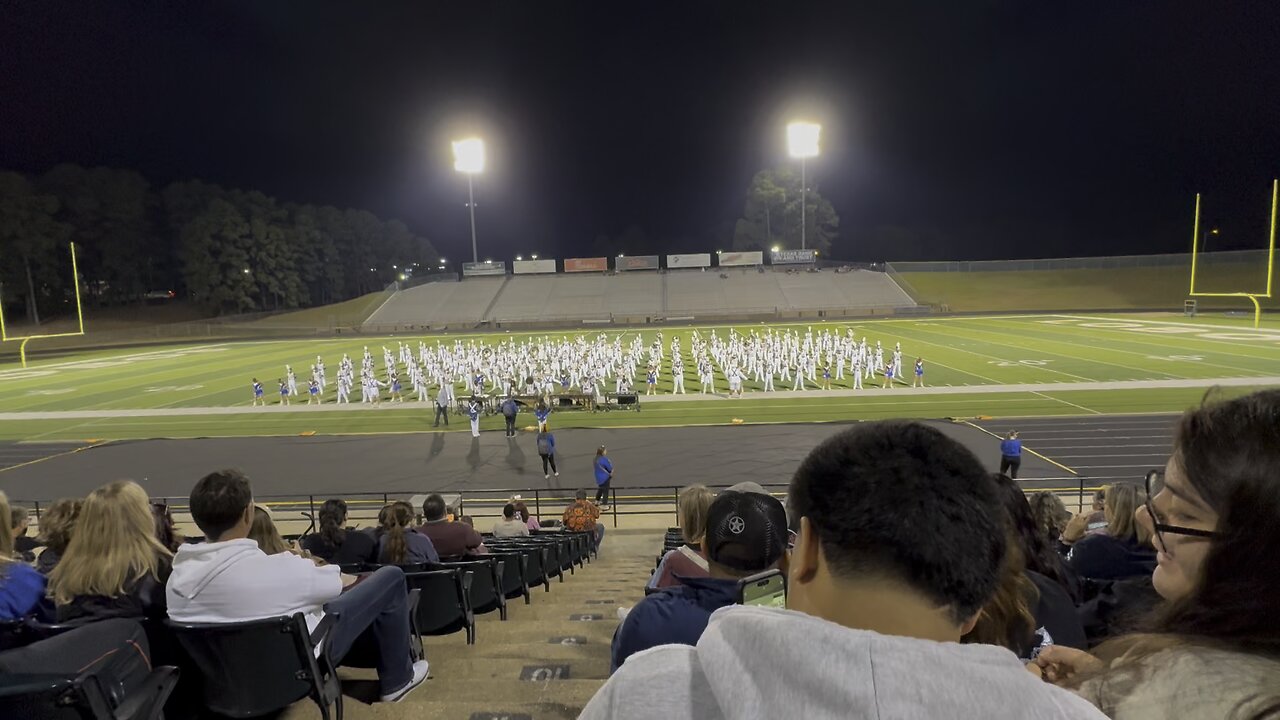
[
  {"x": 258, "y": 393},
  {"x": 826, "y": 377},
  {"x": 395, "y": 389},
  {"x": 919, "y": 373},
  {"x": 1010, "y": 454},
  {"x": 284, "y": 392},
  {"x": 651, "y": 381},
  {"x": 888, "y": 376},
  {"x": 541, "y": 412},
  {"x": 313, "y": 390}
]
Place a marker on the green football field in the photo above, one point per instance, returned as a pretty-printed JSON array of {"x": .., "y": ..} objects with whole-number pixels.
[{"x": 975, "y": 366}]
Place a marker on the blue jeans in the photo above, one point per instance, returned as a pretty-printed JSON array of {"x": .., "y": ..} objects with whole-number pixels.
[
  {"x": 599, "y": 534},
  {"x": 379, "y": 604}
]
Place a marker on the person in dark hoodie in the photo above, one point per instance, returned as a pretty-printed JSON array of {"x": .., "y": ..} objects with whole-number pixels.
[
  {"x": 1120, "y": 550},
  {"x": 746, "y": 534},
  {"x": 898, "y": 548}
]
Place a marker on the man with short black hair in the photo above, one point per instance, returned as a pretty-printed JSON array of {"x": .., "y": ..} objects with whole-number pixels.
[
  {"x": 899, "y": 546},
  {"x": 451, "y": 539},
  {"x": 229, "y": 578},
  {"x": 746, "y": 534},
  {"x": 510, "y": 525}
]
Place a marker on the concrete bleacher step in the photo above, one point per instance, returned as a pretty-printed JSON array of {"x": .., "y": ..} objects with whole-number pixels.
[{"x": 515, "y": 670}]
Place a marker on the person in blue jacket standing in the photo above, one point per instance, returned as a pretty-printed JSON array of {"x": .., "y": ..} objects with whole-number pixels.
[
  {"x": 1010, "y": 454},
  {"x": 604, "y": 475},
  {"x": 547, "y": 451}
]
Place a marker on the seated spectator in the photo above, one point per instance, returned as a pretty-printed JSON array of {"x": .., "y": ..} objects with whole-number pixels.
[
  {"x": 398, "y": 544},
  {"x": 1028, "y": 610},
  {"x": 1085, "y": 523},
  {"x": 1051, "y": 517},
  {"x": 529, "y": 520},
  {"x": 584, "y": 516},
  {"x": 510, "y": 525},
  {"x": 165, "y": 531},
  {"x": 114, "y": 566},
  {"x": 899, "y": 546},
  {"x": 335, "y": 543},
  {"x": 229, "y": 578},
  {"x": 1122, "y": 548},
  {"x": 263, "y": 531},
  {"x": 688, "y": 560},
  {"x": 1211, "y": 650},
  {"x": 746, "y": 534},
  {"x": 450, "y": 539},
  {"x": 21, "y": 587},
  {"x": 23, "y": 544},
  {"x": 56, "y": 527},
  {"x": 1039, "y": 552}
]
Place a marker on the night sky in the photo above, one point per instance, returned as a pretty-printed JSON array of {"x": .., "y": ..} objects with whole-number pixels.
[{"x": 963, "y": 129}]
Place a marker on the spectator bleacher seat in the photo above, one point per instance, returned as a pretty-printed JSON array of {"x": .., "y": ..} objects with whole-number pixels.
[
  {"x": 83, "y": 697},
  {"x": 445, "y": 606},
  {"x": 486, "y": 581},
  {"x": 260, "y": 666}
]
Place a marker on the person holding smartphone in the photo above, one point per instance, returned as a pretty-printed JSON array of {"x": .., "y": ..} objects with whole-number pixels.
[{"x": 746, "y": 535}]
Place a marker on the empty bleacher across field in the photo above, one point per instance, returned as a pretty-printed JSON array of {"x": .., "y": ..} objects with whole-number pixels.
[{"x": 640, "y": 297}]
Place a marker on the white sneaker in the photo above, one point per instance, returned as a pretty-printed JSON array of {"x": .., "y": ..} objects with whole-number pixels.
[
  {"x": 420, "y": 669},
  {"x": 544, "y": 477},
  {"x": 557, "y": 474}
]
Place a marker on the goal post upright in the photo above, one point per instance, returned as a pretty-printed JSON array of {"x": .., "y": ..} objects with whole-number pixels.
[
  {"x": 22, "y": 346},
  {"x": 1271, "y": 254}
]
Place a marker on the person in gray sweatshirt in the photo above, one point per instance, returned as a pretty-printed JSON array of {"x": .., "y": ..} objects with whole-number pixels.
[{"x": 898, "y": 546}]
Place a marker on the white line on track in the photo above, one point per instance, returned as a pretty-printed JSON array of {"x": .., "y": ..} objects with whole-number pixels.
[{"x": 1067, "y": 402}]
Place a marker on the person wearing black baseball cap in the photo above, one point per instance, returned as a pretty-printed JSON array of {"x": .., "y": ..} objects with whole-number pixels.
[
  {"x": 899, "y": 547},
  {"x": 746, "y": 534}
]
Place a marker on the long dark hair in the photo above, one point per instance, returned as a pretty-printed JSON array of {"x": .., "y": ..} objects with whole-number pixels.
[
  {"x": 333, "y": 513},
  {"x": 392, "y": 522},
  {"x": 1037, "y": 554},
  {"x": 1229, "y": 451}
]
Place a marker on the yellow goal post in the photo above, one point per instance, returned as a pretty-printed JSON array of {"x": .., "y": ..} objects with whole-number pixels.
[
  {"x": 22, "y": 347},
  {"x": 1271, "y": 255}
]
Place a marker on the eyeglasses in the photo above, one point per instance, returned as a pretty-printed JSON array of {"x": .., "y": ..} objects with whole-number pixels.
[{"x": 1155, "y": 485}]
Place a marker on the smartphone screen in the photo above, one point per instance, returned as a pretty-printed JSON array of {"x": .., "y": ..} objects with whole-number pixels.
[{"x": 768, "y": 589}]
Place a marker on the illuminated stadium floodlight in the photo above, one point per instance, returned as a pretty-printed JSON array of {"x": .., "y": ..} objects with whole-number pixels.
[
  {"x": 1271, "y": 256},
  {"x": 802, "y": 143},
  {"x": 468, "y": 158},
  {"x": 22, "y": 347}
]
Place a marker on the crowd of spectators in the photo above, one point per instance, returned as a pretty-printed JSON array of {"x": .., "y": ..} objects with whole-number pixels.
[{"x": 918, "y": 584}]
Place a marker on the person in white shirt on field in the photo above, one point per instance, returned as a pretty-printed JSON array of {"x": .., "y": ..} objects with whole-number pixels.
[{"x": 228, "y": 578}]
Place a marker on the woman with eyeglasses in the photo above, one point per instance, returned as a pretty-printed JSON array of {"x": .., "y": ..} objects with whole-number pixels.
[{"x": 1211, "y": 649}]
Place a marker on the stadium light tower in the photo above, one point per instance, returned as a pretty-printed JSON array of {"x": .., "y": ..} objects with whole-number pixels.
[
  {"x": 802, "y": 143},
  {"x": 468, "y": 158}
]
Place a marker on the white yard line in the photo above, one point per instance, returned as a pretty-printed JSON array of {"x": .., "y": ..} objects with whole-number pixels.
[{"x": 1066, "y": 402}]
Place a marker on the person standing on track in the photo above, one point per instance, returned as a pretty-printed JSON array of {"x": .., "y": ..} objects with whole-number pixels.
[
  {"x": 547, "y": 451},
  {"x": 604, "y": 475},
  {"x": 509, "y": 410},
  {"x": 444, "y": 398},
  {"x": 1010, "y": 454}
]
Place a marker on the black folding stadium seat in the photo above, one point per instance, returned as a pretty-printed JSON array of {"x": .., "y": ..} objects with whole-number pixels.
[
  {"x": 445, "y": 606},
  {"x": 260, "y": 666},
  {"x": 486, "y": 583},
  {"x": 515, "y": 565},
  {"x": 83, "y": 697}
]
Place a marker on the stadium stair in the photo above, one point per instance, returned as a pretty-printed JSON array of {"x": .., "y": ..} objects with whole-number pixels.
[
  {"x": 521, "y": 669},
  {"x": 487, "y": 315}
]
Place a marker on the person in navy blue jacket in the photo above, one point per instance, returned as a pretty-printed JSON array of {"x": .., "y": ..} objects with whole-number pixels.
[
  {"x": 1010, "y": 454},
  {"x": 746, "y": 534},
  {"x": 604, "y": 475}
]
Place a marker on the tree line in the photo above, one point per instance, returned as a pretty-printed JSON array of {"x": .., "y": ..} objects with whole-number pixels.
[{"x": 228, "y": 250}]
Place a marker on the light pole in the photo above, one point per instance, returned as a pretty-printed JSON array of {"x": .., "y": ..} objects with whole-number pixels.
[
  {"x": 468, "y": 158},
  {"x": 802, "y": 143}
]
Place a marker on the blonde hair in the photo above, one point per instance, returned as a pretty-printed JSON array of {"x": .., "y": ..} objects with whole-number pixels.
[
  {"x": 6, "y": 530},
  {"x": 1123, "y": 500},
  {"x": 263, "y": 531},
  {"x": 58, "y": 523},
  {"x": 691, "y": 508},
  {"x": 113, "y": 547}
]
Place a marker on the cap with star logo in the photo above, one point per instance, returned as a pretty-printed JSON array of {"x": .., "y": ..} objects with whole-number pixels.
[{"x": 746, "y": 531}]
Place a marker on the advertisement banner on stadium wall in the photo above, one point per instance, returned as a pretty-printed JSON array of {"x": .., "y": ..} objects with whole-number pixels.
[
  {"x": 586, "y": 264},
  {"x": 636, "y": 262},
  {"x": 727, "y": 259},
  {"x": 693, "y": 260},
  {"x": 529, "y": 267},
  {"x": 473, "y": 269},
  {"x": 792, "y": 257}
]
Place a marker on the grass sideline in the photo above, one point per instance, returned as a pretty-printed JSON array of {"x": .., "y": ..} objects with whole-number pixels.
[{"x": 972, "y": 355}]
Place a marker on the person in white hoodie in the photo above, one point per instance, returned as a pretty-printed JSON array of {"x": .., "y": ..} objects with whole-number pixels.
[
  {"x": 229, "y": 578},
  {"x": 898, "y": 546}
]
